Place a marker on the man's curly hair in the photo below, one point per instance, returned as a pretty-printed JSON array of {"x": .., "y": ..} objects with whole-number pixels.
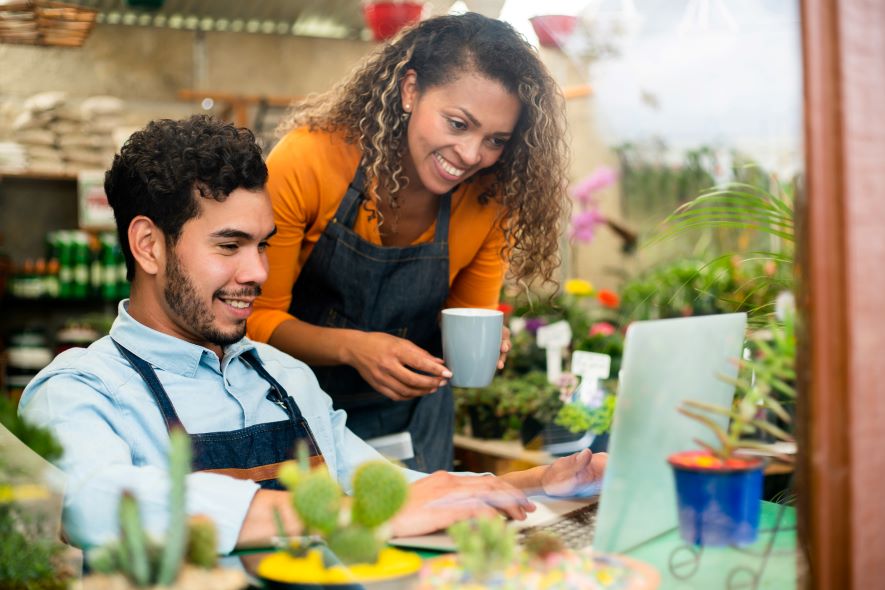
[
  {"x": 530, "y": 177},
  {"x": 161, "y": 169}
]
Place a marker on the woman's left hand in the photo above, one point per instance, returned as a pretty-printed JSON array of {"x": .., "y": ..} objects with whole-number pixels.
[
  {"x": 505, "y": 346},
  {"x": 575, "y": 474}
]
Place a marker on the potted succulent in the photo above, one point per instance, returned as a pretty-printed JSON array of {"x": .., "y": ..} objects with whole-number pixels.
[
  {"x": 719, "y": 488},
  {"x": 186, "y": 558},
  {"x": 344, "y": 543},
  {"x": 489, "y": 557}
]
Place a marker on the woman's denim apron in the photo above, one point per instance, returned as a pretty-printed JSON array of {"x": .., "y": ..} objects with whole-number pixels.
[
  {"x": 348, "y": 282},
  {"x": 255, "y": 452}
]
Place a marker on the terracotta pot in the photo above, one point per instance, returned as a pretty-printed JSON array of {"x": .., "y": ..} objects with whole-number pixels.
[{"x": 553, "y": 30}]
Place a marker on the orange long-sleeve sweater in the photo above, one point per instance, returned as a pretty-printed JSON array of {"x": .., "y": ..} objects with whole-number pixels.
[{"x": 309, "y": 174}]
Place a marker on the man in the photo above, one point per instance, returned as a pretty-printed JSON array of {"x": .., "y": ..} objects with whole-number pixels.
[{"x": 193, "y": 221}]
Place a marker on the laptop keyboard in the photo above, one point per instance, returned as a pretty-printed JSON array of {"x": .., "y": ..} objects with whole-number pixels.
[{"x": 575, "y": 529}]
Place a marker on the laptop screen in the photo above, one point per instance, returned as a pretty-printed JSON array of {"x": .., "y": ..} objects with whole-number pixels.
[{"x": 664, "y": 363}]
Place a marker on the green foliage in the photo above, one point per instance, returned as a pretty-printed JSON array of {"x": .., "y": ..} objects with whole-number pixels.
[
  {"x": 764, "y": 385},
  {"x": 578, "y": 418},
  {"x": 26, "y": 559},
  {"x": 511, "y": 399},
  {"x": 379, "y": 491},
  {"x": 484, "y": 545},
  {"x": 38, "y": 439}
]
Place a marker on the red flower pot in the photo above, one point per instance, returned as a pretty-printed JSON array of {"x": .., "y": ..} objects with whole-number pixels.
[
  {"x": 553, "y": 30},
  {"x": 385, "y": 19}
]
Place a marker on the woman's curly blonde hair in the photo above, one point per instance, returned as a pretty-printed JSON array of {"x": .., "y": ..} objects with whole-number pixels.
[{"x": 530, "y": 177}]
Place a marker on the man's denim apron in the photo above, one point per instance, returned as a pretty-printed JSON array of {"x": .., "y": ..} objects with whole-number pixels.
[
  {"x": 348, "y": 282},
  {"x": 255, "y": 452}
]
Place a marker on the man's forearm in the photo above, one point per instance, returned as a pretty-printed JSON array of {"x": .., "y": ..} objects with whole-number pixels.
[{"x": 527, "y": 480}]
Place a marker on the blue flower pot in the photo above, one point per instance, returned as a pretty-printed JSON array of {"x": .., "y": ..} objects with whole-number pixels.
[{"x": 718, "y": 505}]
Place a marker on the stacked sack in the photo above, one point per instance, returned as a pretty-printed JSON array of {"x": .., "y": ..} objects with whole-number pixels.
[
  {"x": 88, "y": 142},
  {"x": 60, "y": 136},
  {"x": 32, "y": 129}
]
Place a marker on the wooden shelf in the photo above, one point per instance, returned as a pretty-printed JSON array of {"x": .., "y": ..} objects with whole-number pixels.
[
  {"x": 35, "y": 175},
  {"x": 496, "y": 456}
]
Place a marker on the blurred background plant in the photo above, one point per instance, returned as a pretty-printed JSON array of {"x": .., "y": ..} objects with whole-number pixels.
[{"x": 30, "y": 553}]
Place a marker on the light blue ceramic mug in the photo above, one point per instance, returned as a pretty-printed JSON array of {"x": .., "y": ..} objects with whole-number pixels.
[{"x": 471, "y": 344}]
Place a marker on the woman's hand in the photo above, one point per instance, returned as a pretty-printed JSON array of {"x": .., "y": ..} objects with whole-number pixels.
[
  {"x": 442, "y": 499},
  {"x": 575, "y": 474},
  {"x": 505, "y": 346},
  {"x": 389, "y": 365}
]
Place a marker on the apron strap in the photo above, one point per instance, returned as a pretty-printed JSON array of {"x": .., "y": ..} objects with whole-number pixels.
[
  {"x": 277, "y": 393},
  {"x": 154, "y": 385},
  {"x": 441, "y": 234},
  {"x": 349, "y": 206}
]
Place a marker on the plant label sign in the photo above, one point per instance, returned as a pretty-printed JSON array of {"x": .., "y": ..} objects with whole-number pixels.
[
  {"x": 590, "y": 367},
  {"x": 591, "y": 364},
  {"x": 554, "y": 338}
]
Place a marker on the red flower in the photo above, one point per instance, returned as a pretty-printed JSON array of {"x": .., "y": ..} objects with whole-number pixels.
[
  {"x": 608, "y": 298},
  {"x": 602, "y": 328},
  {"x": 505, "y": 308}
]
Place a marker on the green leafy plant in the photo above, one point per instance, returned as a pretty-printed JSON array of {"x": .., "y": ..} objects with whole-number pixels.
[
  {"x": 509, "y": 400},
  {"x": 765, "y": 384},
  {"x": 148, "y": 562},
  {"x": 29, "y": 553},
  {"x": 379, "y": 491},
  {"x": 579, "y": 418}
]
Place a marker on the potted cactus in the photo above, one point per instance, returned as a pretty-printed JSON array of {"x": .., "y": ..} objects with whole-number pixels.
[
  {"x": 344, "y": 546},
  {"x": 489, "y": 558},
  {"x": 185, "y": 559},
  {"x": 719, "y": 488}
]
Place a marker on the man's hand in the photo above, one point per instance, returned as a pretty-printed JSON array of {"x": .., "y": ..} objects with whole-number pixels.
[
  {"x": 389, "y": 363},
  {"x": 575, "y": 474},
  {"x": 441, "y": 499}
]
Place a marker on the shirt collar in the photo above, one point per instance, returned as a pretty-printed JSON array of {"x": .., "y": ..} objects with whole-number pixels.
[{"x": 169, "y": 352}]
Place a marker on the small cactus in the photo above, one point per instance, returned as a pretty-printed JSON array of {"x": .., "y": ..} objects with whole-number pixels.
[
  {"x": 135, "y": 560},
  {"x": 379, "y": 491},
  {"x": 202, "y": 542},
  {"x": 317, "y": 499},
  {"x": 176, "y": 533},
  {"x": 289, "y": 474},
  {"x": 542, "y": 545},
  {"x": 485, "y": 545},
  {"x": 355, "y": 544}
]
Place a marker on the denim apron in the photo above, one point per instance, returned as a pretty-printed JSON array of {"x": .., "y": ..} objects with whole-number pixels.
[
  {"x": 348, "y": 282},
  {"x": 255, "y": 452}
]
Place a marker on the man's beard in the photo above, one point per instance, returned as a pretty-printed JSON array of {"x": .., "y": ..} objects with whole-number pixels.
[{"x": 183, "y": 299}]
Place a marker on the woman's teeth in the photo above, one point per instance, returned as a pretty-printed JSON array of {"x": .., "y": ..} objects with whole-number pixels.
[{"x": 444, "y": 164}]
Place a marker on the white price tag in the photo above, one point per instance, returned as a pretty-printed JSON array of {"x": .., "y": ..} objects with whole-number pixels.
[
  {"x": 556, "y": 335},
  {"x": 591, "y": 364}
]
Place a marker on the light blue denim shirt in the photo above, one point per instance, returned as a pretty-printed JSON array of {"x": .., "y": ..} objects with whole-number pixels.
[{"x": 115, "y": 438}]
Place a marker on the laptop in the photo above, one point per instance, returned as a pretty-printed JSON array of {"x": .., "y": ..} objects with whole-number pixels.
[{"x": 664, "y": 363}]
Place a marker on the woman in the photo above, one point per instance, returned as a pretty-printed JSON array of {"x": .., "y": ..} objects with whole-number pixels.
[{"x": 408, "y": 188}]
